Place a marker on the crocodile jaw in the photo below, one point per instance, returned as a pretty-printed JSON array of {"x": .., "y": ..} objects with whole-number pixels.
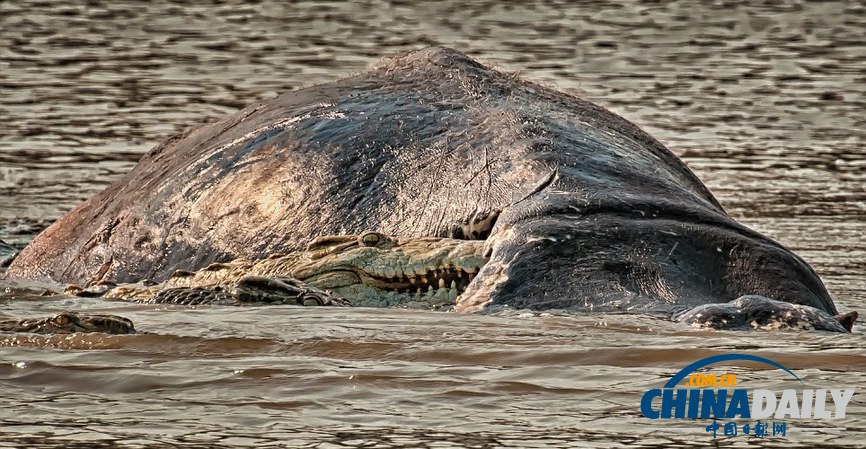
[
  {"x": 438, "y": 289},
  {"x": 415, "y": 273},
  {"x": 423, "y": 272}
]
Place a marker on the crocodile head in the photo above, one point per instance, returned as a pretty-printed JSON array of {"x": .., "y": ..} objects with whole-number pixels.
[
  {"x": 70, "y": 322},
  {"x": 370, "y": 269},
  {"x": 375, "y": 270}
]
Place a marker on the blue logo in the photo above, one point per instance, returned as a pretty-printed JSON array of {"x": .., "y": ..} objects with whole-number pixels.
[{"x": 692, "y": 395}]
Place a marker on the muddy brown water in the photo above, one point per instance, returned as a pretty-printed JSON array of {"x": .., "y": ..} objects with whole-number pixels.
[{"x": 764, "y": 102}]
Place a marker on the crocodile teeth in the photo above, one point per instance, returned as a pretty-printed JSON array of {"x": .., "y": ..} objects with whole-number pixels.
[
  {"x": 453, "y": 285},
  {"x": 441, "y": 283}
]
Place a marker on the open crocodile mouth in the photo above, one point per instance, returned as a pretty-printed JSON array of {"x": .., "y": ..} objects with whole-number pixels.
[
  {"x": 432, "y": 280},
  {"x": 451, "y": 278}
]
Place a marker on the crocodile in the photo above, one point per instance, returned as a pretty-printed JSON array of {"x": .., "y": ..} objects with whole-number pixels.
[
  {"x": 70, "y": 322},
  {"x": 578, "y": 208},
  {"x": 370, "y": 269},
  {"x": 373, "y": 269}
]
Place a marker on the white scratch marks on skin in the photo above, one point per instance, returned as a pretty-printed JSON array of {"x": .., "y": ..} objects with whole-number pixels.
[
  {"x": 279, "y": 124},
  {"x": 540, "y": 239},
  {"x": 671, "y": 253}
]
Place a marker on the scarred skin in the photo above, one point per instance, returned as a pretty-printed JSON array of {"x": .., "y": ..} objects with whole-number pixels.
[{"x": 584, "y": 211}]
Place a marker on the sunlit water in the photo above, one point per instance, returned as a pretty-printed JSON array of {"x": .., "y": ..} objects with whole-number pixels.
[{"x": 766, "y": 104}]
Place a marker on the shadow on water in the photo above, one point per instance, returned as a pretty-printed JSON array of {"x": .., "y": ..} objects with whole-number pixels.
[{"x": 765, "y": 103}]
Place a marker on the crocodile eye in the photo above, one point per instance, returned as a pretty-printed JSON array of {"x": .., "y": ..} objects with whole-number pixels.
[
  {"x": 62, "y": 320},
  {"x": 371, "y": 239}
]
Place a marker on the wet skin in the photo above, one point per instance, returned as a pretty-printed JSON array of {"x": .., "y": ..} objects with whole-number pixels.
[
  {"x": 69, "y": 323},
  {"x": 579, "y": 208}
]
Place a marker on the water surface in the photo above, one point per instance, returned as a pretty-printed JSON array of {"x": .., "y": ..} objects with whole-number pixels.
[{"x": 765, "y": 104}]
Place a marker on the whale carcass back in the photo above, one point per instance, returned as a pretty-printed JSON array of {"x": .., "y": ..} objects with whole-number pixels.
[
  {"x": 411, "y": 147},
  {"x": 590, "y": 211}
]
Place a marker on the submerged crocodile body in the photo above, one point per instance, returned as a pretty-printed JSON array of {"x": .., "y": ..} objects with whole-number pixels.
[
  {"x": 579, "y": 208},
  {"x": 70, "y": 322}
]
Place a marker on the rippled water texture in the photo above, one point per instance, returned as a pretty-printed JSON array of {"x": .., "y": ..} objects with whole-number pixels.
[{"x": 765, "y": 103}]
